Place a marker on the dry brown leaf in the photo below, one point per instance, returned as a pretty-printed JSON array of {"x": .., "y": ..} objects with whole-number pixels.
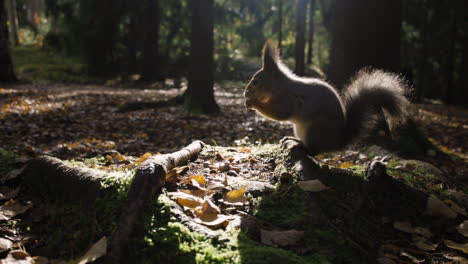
[
  {"x": 221, "y": 221},
  {"x": 17, "y": 257},
  {"x": 422, "y": 231},
  {"x": 457, "y": 246},
  {"x": 174, "y": 173},
  {"x": 199, "y": 193},
  {"x": 312, "y": 186},
  {"x": 5, "y": 244},
  {"x": 11, "y": 209},
  {"x": 207, "y": 212},
  {"x": 404, "y": 227},
  {"x": 185, "y": 199},
  {"x": 463, "y": 228},
  {"x": 281, "y": 238},
  {"x": 96, "y": 251},
  {"x": 424, "y": 244},
  {"x": 7, "y": 193},
  {"x": 236, "y": 196},
  {"x": 436, "y": 207}
]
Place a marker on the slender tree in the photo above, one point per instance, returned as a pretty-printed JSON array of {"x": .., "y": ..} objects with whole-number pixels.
[
  {"x": 301, "y": 7},
  {"x": 151, "y": 69},
  {"x": 199, "y": 97},
  {"x": 6, "y": 64},
  {"x": 364, "y": 33},
  {"x": 310, "y": 40},
  {"x": 280, "y": 24},
  {"x": 13, "y": 22}
]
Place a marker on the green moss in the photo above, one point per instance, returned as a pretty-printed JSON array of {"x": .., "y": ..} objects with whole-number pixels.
[{"x": 7, "y": 161}]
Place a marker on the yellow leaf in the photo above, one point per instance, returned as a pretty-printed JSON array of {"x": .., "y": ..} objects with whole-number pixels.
[
  {"x": 345, "y": 165},
  {"x": 144, "y": 157},
  {"x": 187, "y": 200},
  {"x": 236, "y": 196},
  {"x": 197, "y": 179},
  {"x": 208, "y": 212}
]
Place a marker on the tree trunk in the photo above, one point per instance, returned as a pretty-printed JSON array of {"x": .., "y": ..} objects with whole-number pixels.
[
  {"x": 422, "y": 59},
  {"x": 280, "y": 24},
  {"x": 13, "y": 22},
  {"x": 6, "y": 64},
  {"x": 364, "y": 33},
  {"x": 462, "y": 89},
  {"x": 450, "y": 94},
  {"x": 311, "y": 32},
  {"x": 199, "y": 97},
  {"x": 151, "y": 71},
  {"x": 301, "y": 7}
]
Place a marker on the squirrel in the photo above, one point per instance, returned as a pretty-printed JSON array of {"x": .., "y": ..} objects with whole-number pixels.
[{"x": 323, "y": 120}]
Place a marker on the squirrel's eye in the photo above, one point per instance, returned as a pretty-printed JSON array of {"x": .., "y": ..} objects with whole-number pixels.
[{"x": 255, "y": 82}]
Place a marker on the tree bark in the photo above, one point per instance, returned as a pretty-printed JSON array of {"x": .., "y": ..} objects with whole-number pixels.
[
  {"x": 151, "y": 71},
  {"x": 199, "y": 97},
  {"x": 310, "y": 41},
  {"x": 13, "y": 22},
  {"x": 301, "y": 7},
  {"x": 149, "y": 179},
  {"x": 6, "y": 64},
  {"x": 365, "y": 33},
  {"x": 280, "y": 24}
]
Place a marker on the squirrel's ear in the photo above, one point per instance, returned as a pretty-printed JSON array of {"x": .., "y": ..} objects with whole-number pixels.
[{"x": 270, "y": 57}]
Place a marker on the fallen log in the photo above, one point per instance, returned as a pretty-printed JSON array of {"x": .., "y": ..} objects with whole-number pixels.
[{"x": 149, "y": 179}]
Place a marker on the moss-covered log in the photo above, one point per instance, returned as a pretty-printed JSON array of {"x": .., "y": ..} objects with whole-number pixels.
[
  {"x": 150, "y": 177},
  {"x": 51, "y": 177}
]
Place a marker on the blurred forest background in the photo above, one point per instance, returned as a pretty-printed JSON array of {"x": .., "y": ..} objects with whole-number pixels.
[{"x": 206, "y": 40}]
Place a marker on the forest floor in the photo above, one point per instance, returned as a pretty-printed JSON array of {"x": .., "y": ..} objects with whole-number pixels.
[{"x": 82, "y": 122}]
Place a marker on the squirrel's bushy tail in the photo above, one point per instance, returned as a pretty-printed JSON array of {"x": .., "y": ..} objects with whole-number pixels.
[{"x": 367, "y": 94}]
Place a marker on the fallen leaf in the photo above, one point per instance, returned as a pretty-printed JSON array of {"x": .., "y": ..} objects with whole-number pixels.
[
  {"x": 345, "y": 165},
  {"x": 436, "y": 207},
  {"x": 424, "y": 244},
  {"x": 12, "y": 174},
  {"x": 11, "y": 209},
  {"x": 463, "y": 228},
  {"x": 312, "y": 186},
  {"x": 5, "y": 244},
  {"x": 423, "y": 231},
  {"x": 221, "y": 221},
  {"x": 281, "y": 238},
  {"x": 185, "y": 199},
  {"x": 208, "y": 211},
  {"x": 197, "y": 180},
  {"x": 199, "y": 193},
  {"x": 236, "y": 196},
  {"x": 404, "y": 226},
  {"x": 174, "y": 173},
  {"x": 457, "y": 246},
  {"x": 96, "y": 251},
  {"x": 17, "y": 257},
  {"x": 7, "y": 193}
]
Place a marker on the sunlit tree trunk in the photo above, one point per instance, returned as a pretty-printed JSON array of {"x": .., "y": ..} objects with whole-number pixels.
[
  {"x": 151, "y": 69},
  {"x": 301, "y": 7},
  {"x": 365, "y": 33},
  {"x": 310, "y": 40},
  {"x": 199, "y": 97},
  {"x": 280, "y": 24},
  {"x": 6, "y": 64}
]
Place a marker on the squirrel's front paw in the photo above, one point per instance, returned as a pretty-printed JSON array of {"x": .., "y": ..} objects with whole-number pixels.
[{"x": 291, "y": 143}]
